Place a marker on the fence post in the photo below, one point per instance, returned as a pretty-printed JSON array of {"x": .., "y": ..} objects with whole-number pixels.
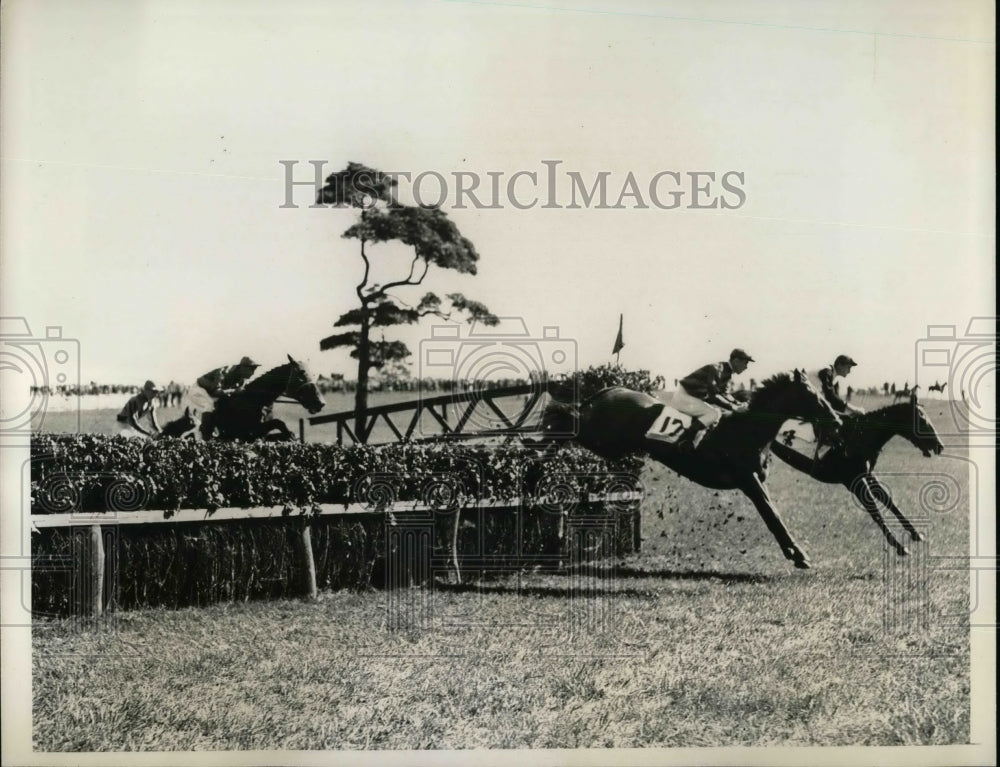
[
  {"x": 637, "y": 528},
  {"x": 89, "y": 560},
  {"x": 454, "y": 544},
  {"x": 308, "y": 561}
]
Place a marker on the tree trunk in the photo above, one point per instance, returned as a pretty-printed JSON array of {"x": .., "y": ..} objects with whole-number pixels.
[{"x": 361, "y": 395}]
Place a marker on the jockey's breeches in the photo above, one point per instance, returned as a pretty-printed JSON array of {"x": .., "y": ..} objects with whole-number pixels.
[{"x": 692, "y": 406}]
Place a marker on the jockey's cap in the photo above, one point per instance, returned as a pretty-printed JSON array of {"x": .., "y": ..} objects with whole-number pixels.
[
  {"x": 151, "y": 387},
  {"x": 739, "y": 354},
  {"x": 249, "y": 363},
  {"x": 843, "y": 359}
]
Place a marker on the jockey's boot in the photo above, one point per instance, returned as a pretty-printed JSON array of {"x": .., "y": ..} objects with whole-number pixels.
[{"x": 692, "y": 436}]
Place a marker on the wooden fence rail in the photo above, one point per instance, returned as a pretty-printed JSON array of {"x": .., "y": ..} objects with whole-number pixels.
[
  {"x": 437, "y": 407},
  {"x": 90, "y": 530}
]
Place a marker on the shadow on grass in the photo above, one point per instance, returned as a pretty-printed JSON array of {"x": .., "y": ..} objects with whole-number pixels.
[
  {"x": 676, "y": 575},
  {"x": 542, "y": 591},
  {"x": 599, "y": 574}
]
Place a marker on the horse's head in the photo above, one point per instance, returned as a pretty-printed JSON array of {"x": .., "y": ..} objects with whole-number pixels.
[
  {"x": 301, "y": 387},
  {"x": 918, "y": 429}
]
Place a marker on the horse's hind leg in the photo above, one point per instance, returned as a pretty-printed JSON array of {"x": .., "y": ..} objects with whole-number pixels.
[
  {"x": 756, "y": 492},
  {"x": 886, "y": 498},
  {"x": 863, "y": 492}
]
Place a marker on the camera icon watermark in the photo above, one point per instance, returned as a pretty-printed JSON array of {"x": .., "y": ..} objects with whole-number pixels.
[
  {"x": 563, "y": 531},
  {"x": 595, "y": 516},
  {"x": 36, "y": 372},
  {"x": 423, "y": 522},
  {"x": 485, "y": 359},
  {"x": 920, "y": 589},
  {"x": 70, "y": 547},
  {"x": 963, "y": 368}
]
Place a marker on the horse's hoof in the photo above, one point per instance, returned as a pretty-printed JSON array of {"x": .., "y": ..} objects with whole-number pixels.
[
  {"x": 902, "y": 551},
  {"x": 802, "y": 563},
  {"x": 916, "y": 536}
]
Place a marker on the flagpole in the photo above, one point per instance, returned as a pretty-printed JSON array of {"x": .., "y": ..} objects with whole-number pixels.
[{"x": 619, "y": 342}]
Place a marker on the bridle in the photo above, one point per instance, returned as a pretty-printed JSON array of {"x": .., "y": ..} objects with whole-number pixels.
[{"x": 288, "y": 385}]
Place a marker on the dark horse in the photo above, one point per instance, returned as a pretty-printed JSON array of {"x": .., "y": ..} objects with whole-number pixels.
[
  {"x": 905, "y": 393},
  {"x": 939, "y": 387},
  {"x": 185, "y": 426},
  {"x": 733, "y": 455},
  {"x": 241, "y": 416},
  {"x": 851, "y": 463}
]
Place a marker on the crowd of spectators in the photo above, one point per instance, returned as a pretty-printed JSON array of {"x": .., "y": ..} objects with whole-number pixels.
[{"x": 173, "y": 393}]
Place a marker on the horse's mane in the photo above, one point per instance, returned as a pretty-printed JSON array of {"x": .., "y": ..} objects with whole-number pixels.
[
  {"x": 894, "y": 406},
  {"x": 768, "y": 385},
  {"x": 265, "y": 378}
]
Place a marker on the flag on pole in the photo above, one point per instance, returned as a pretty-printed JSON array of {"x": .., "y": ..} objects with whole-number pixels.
[{"x": 619, "y": 343}]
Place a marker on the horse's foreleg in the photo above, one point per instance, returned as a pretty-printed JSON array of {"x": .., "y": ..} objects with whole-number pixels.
[
  {"x": 886, "y": 497},
  {"x": 276, "y": 424},
  {"x": 207, "y": 426},
  {"x": 756, "y": 492},
  {"x": 863, "y": 492}
]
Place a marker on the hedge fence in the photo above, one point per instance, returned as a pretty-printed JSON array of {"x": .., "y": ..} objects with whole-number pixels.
[{"x": 344, "y": 517}]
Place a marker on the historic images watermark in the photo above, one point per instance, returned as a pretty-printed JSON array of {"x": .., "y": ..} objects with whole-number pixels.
[
  {"x": 963, "y": 367},
  {"x": 548, "y": 187},
  {"x": 36, "y": 369}
]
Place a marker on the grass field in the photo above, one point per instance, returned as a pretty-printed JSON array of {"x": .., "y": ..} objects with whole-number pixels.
[{"x": 707, "y": 638}]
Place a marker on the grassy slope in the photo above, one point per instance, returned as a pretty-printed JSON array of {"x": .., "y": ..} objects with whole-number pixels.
[{"x": 714, "y": 640}]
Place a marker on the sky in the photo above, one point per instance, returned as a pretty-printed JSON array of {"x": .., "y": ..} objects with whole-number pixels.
[{"x": 142, "y": 185}]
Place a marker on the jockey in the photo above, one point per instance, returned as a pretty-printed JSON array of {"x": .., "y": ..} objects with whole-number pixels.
[
  {"x": 221, "y": 382},
  {"x": 138, "y": 407},
  {"x": 706, "y": 392},
  {"x": 840, "y": 368}
]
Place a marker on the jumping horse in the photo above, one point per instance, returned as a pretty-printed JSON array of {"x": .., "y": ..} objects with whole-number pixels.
[
  {"x": 733, "y": 455},
  {"x": 851, "y": 462},
  {"x": 245, "y": 414}
]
